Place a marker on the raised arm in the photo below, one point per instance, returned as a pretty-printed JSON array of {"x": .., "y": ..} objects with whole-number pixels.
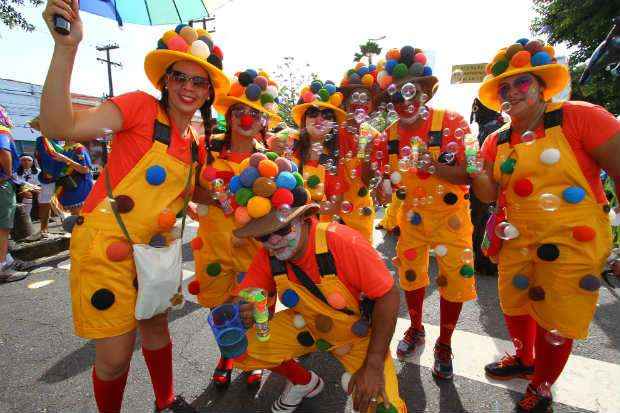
[{"x": 58, "y": 119}]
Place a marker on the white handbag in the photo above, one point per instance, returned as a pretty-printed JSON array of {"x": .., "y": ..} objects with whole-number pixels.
[{"x": 159, "y": 270}]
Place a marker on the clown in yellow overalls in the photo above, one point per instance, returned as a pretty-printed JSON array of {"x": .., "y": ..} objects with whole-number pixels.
[{"x": 311, "y": 324}]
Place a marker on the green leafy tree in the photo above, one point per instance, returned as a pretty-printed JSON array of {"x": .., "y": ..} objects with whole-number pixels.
[
  {"x": 367, "y": 50},
  {"x": 11, "y": 16},
  {"x": 582, "y": 25}
]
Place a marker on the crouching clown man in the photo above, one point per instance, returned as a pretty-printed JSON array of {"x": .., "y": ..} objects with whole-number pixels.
[{"x": 340, "y": 298}]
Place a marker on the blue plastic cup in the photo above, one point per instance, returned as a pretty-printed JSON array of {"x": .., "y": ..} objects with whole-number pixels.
[{"x": 225, "y": 322}]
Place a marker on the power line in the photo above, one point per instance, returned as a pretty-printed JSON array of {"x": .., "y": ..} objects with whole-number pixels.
[{"x": 109, "y": 62}]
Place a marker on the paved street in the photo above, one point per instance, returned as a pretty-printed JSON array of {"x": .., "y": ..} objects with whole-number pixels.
[{"x": 45, "y": 368}]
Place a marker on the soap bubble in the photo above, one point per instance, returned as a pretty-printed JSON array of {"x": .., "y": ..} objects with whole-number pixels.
[
  {"x": 549, "y": 202},
  {"x": 506, "y": 231}
]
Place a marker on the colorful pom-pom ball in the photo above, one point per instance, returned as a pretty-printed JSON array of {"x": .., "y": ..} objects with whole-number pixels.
[
  {"x": 390, "y": 65},
  {"x": 313, "y": 181},
  {"x": 214, "y": 269},
  {"x": 272, "y": 90},
  {"x": 590, "y": 283},
  {"x": 252, "y": 92},
  {"x": 300, "y": 196},
  {"x": 323, "y": 95},
  {"x": 315, "y": 86},
  {"x": 415, "y": 219},
  {"x": 118, "y": 251},
  {"x": 271, "y": 155},
  {"x": 286, "y": 180},
  {"x": 420, "y": 58},
  {"x": 262, "y": 82},
  {"x": 199, "y": 49},
  {"x": 255, "y": 159},
  {"x": 336, "y": 99},
  {"x": 166, "y": 219},
  {"x": 298, "y": 321},
  {"x": 264, "y": 187},
  {"x": 235, "y": 184},
  {"x": 282, "y": 196},
  {"x": 499, "y": 67},
  {"x": 289, "y": 298},
  {"x": 521, "y": 282},
  {"x": 161, "y": 44},
  {"x": 573, "y": 194},
  {"x": 194, "y": 287},
  {"x": 362, "y": 71},
  {"x": 243, "y": 195},
  {"x": 541, "y": 58},
  {"x": 158, "y": 241},
  {"x": 248, "y": 176},
  {"x": 427, "y": 71},
  {"x": 242, "y": 216},
  {"x": 513, "y": 49},
  {"x": 416, "y": 69},
  {"x": 336, "y": 300},
  {"x": 548, "y": 252},
  {"x": 407, "y": 53},
  {"x": 267, "y": 168},
  {"x": 523, "y": 41},
  {"x": 330, "y": 87},
  {"x": 400, "y": 71},
  {"x": 467, "y": 271},
  {"x": 392, "y": 54},
  {"x": 196, "y": 243},
  {"x": 534, "y": 46},
  {"x": 298, "y": 178},
  {"x": 258, "y": 206},
  {"x": 307, "y": 97},
  {"x": 368, "y": 80},
  {"x": 283, "y": 164},
  {"x": 236, "y": 89},
  {"x": 521, "y": 59},
  {"x": 168, "y": 35},
  {"x": 177, "y": 43},
  {"x": 549, "y": 50},
  {"x": 265, "y": 100},
  {"x": 550, "y": 156},
  {"x": 584, "y": 233},
  {"x": 155, "y": 175},
  {"x": 523, "y": 187}
]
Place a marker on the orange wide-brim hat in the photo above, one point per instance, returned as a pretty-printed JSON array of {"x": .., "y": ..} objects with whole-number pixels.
[{"x": 273, "y": 221}]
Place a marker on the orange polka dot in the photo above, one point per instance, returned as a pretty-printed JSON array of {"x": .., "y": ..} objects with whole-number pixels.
[{"x": 118, "y": 251}]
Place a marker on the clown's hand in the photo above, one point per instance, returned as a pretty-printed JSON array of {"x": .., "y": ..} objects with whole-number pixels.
[
  {"x": 367, "y": 386},
  {"x": 69, "y": 10}
]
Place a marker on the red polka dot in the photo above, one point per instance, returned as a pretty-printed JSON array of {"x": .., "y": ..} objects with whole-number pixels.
[
  {"x": 583, "y": 233},
  {"x": 422, "y": 174},
  {"x": 196, "y": 243},
  {"x": 118, "y": 251},
  {"x": 194, "y": 287},
  {"x": 410, "y": 254},
  {"x": 523, "y": 187}
]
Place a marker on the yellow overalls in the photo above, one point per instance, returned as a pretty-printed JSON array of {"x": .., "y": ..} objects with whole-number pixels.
[
  {"x": 220, "y": 257},
  {"x": 551, "y": 270},
  {"x": 362, "y": 216},
  {"x": 326, "y": 329},
  {"x": 390, "y": 216},
  {"x": 103, "y": 276},
  {"x": 434, "y": 214}
]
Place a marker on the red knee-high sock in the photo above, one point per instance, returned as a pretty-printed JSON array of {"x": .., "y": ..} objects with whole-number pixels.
[
  {"x": 552, "y": 353},
  {"x": 225, "y": 364},
  {"x": 522, "y": 329},
  {"x": 109, "y": 393},
  {"x": 159, "y": 363},
  {"x": 415, "y": 302},
  {"x": 293, "y": 371},
  {"x": 448, "y": 317}
]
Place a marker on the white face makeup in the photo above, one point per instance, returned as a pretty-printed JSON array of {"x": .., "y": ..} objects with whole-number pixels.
[{"x": 284, "y": 247}]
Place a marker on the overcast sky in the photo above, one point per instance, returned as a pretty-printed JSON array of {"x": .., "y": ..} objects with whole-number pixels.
[{"x": 323, "y": 33}]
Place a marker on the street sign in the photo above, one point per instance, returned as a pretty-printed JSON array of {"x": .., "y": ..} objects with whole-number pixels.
[{"x": 468, "y": 73}]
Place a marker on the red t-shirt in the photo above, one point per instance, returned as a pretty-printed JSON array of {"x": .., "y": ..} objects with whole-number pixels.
[
  {"x": 358, "y": 265},
  {"x": 132, "y": 142},
  {"x": 586, "y": 127}
]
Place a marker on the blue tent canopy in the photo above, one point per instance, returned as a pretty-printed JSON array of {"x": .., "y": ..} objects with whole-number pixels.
[{"x": 147, "y": 12}]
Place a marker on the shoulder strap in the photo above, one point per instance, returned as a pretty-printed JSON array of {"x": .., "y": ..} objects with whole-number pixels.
[
  {"x": 324, "y": 258},
  {"x": 554, "y": 115},
  {"x": 161, "y": 130},
  {"x": 435, "y": 131},
  {"x": 503, "y": 134}
]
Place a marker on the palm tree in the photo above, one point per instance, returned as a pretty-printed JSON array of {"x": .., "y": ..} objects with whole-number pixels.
[{"x": 367, "y": 50}]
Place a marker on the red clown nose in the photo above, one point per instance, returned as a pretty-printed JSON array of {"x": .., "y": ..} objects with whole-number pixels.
[{"x": 246, "y": 121}]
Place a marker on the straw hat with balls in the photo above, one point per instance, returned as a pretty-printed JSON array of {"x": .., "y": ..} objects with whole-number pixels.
[
  {"x": 524, "y": 56},
  {"x": 185, "y": 43},
  {"x": 322, "y": 95},
  {"x": 269, "y": 193},
  {"x": 361, "y": 76}
]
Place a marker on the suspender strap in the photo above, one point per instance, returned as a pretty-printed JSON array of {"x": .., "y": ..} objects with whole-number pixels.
[
  {"x": 277, "y": 267},
  {"x": 435, "y": 132},
  {"x": 324, "y": 259},
  {"x": 503, "y": 136},
  {"x": 393, "y": 147},
  {"x": 553, "y": 118}
]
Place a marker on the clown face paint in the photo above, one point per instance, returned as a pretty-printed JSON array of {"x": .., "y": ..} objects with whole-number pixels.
[
  {"x": 522, "y": 93},
  {"x": 284, "y": 247},
  {"x": 246, "y": 121}
]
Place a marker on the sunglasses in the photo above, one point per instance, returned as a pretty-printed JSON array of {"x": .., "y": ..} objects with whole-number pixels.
[
  {"x": 239, "y": 111},
  {"x": 521, "y": 84},
  {"x": 326, "y": 114},
  {"x": 182, "y": 78},
  {"x": 284, "y": 231}
]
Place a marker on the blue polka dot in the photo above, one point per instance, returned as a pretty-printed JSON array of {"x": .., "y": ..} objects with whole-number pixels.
[
  {"x": 155, "y": 175},
  {"x": 289, "y": 298},
  {"x": 416, "y": 218},
  {"x": 520, "y": 282},
  {"x": 574, "y": 194},
  {"x": 240, "y": 277},
  {"x": 235, "y": 184}
]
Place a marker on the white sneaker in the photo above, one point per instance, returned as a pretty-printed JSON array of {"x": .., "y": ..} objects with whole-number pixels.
[{"x": 293, "y": 395}]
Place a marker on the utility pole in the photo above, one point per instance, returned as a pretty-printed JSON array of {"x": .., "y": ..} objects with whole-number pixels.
[
  {"x": 109, "y": 62},
  {"x": 204, "y": 21}
]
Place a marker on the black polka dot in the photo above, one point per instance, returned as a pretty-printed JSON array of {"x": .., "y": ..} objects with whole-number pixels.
[
  {"x": 79, "y": 220},
  {"x": 606, "y": 208},
  {"x": 536, "y": 293},
  {"x": 548, "y": 252},
  {"x": 442, "y": 281},
  {"x": 410, "y": 275},
  {"x": 450, "y": 198},
  {"x": 363, "y": 191},
  {"x": 360, "y": 328},
  {"x": 590, "y": 283},
  {"x": 466, "y": 196},
  {"x": 305, "y": 339},
  {"x": 102, "y": 299},
  {"x": 124, "y": 203},
  {"x": 401, "y": 193},
  {"x": 366, "y": 211}
]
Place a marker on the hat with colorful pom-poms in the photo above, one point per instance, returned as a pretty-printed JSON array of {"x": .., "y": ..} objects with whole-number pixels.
[
  {"x": 269, "y": 193},
  {"x": 361, "y": 76},
  {"x": 186, "y": 43},
  {"x": 407, "y": 64},
  {"x": 255, "y": 89},
  {"x": 524, "y": 56},
  {"x": 323, "y": 95}
]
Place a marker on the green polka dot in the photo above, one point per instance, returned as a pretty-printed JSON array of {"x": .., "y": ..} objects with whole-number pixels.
[
  {"x": 323, "y": 345},
  {"x": 313, "y": 181},
  {"x": 508, "y": 166},
  {"x": 467, "y": 271},
  {"x": 214, "y": 269}
]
